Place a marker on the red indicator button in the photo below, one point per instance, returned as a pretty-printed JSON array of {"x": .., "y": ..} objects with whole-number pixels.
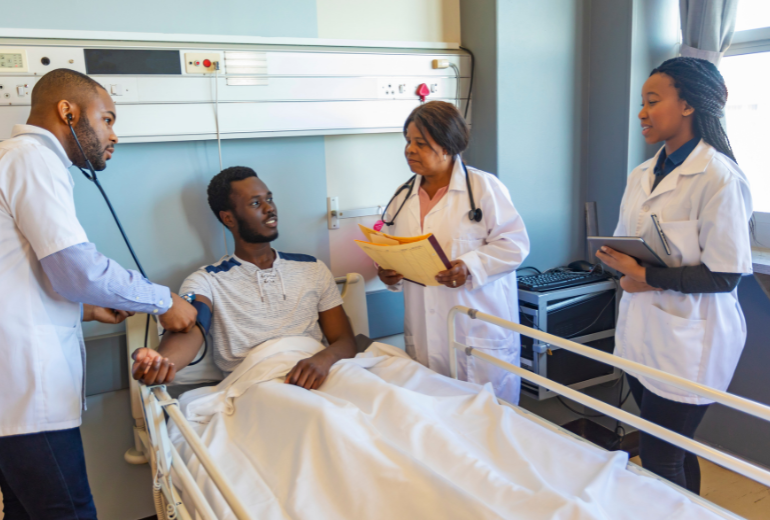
[{"x": 207, "y": 63}]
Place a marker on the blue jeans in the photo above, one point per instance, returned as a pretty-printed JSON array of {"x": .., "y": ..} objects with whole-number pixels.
[
  {"x": 666, "y": 460},
  {"x": 43, "y": 477}
]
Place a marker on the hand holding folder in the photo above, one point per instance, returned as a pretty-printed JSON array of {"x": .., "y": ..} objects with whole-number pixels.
[{"x": 419, "y": 259}]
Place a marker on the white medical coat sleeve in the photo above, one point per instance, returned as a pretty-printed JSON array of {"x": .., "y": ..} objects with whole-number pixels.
[
  {"x": 724, "y": 228},
  {"x": 620, "y": 229},
  {"x": 40, "y": 200},
  {"x": 507, "y": 243}
]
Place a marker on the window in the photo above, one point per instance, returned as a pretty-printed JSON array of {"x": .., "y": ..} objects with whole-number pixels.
[
  {"x": 747, "y": 117},
  {"x": 746, "y": 69},
  {"x": 752, "y": 14}
]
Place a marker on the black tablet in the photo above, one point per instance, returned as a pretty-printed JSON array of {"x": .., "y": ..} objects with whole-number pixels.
[{"x": 631, "y": 246}]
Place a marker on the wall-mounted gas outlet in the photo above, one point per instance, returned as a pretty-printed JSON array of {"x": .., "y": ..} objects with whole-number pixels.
[
  {"x": 403, "y": 88},
  {"x": 201, "y": 62}
]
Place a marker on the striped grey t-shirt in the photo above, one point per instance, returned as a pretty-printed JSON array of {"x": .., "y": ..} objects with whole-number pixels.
[{"x": 251, "y": 305}]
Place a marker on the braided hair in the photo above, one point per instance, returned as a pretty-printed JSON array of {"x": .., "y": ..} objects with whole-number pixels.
[{"x": 700, "y": 84}]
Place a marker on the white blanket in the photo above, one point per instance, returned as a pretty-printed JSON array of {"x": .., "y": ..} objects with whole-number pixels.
[{"x": 386, "y": 438}]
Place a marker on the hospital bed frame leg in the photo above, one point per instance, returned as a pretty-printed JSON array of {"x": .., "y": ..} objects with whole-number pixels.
[
  {"x": 136, "y": 455},
  {"x": 135, "y": 326}
]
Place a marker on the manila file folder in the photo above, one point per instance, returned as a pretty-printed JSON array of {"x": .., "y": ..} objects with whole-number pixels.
[{"x": 419, "y": 259}]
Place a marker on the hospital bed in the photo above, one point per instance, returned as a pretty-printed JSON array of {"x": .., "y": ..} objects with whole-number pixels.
[{"x": 153, "y": 407}]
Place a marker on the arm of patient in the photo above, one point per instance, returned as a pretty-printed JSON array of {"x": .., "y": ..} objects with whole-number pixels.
[
  {"x": 176, "y": 351},
  {"x": 310, "y": 373}
]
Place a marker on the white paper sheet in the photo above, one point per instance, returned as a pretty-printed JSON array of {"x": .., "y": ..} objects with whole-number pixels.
[{"x": 386, "y": 438}]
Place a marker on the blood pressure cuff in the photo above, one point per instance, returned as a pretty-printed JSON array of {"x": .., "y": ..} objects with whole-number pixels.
[{"x": 204, "y": 315}]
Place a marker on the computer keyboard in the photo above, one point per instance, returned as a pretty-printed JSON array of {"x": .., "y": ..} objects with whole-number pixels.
[{"x": 559, "y": 280}]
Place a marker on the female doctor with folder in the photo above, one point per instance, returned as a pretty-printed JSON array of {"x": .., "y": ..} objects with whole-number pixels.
[
  {"x": 471, "y": 215},
  {"x": 691, "y": 204}
]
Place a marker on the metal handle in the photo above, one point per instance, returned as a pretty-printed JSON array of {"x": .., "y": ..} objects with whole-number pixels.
[{"x": 333, "y": 213}]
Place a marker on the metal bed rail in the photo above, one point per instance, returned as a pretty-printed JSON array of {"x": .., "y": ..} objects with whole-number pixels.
[
  {"x": 163, "y": 456},
  {"x": 733, "y": 401}
]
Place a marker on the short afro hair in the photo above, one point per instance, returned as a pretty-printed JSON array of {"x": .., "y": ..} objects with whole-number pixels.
[
  {"x": 62, "y": 84},
  {"x": 220, "y": 188}
]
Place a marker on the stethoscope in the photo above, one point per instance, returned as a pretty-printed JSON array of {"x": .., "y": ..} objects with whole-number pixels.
[
  {"x": 190, "y": 297},
  {"x": 93, "y": 178},
  {"x": 474, "y": 214}
]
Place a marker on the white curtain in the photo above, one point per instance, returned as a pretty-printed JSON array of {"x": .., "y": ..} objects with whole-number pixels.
[{"x": 707, "y": 27}]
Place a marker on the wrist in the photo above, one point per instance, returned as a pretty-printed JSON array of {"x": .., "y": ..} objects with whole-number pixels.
[
  {"x": 332, "y": 354},
  {"x": 639, "y": 274},
  {"x": 88, "y": 312},
  {"x": 171, "y": 298}
]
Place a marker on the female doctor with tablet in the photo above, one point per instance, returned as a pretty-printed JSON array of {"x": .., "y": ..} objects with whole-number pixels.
[
  {"x": 471, "y": 215},
  {"x": 691, "y": 204}
]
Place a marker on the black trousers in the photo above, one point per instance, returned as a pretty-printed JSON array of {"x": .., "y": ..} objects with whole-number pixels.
[
  {"x": 43, "y": 477},
  {"x": 666, "y": 460}
]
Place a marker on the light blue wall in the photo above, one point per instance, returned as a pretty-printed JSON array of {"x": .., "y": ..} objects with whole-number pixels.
[
  {"x": 479, "y": 34},
  {"x": 529, "y": 93},
  {"x": 159, "y": 193},
  {"x": 287, "y": 18},
  {"x": 655, "y": 38},
  {"x": 539, "y": 85},
  {"x": 609, "y": 101}
]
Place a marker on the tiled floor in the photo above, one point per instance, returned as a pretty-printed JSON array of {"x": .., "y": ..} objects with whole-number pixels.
[{"x": 733, "y": 492}]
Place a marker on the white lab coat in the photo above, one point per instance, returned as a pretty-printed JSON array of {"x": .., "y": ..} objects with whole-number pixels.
[
  {"x": 492, "y": 249},
  {"x": 41, "y": 342},
  {"x": 704, "y": 207}
]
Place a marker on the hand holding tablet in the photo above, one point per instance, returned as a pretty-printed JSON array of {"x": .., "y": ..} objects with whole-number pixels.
[{"x": 632, "y": 246}]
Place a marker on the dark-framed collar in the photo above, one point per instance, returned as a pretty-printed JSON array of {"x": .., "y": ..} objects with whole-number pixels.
[{"x": 666, "y": 164}]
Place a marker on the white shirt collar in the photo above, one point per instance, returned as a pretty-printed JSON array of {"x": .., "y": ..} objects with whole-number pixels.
[
  {"x": 49, "y": 140},
  {"x": 456, "y": 181}
]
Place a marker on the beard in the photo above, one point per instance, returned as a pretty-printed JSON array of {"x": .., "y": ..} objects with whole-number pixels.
[
  {"x": 92, "y": 149},
  {"x": 252, "y": 237}
]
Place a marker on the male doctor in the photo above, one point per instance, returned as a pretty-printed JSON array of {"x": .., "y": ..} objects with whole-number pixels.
[{"x": 52, "y": 278}]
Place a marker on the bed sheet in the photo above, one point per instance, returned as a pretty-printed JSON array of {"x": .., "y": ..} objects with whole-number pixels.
[{"x": 385, "y": 437}]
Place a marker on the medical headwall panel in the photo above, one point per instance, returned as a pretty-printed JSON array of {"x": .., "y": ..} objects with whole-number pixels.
[{"x": 168, "y": 93}]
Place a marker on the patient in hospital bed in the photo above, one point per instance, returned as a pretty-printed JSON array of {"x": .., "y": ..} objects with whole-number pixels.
[
  {"x": 255, "y": 295},
  {"x": 303, "y": 429}
]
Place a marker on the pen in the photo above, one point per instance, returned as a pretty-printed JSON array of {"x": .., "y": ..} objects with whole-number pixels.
[{"x": 661, "y": 234}]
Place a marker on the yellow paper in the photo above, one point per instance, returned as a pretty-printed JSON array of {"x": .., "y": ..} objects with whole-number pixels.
[
  {"x": 369, "y": 233},
  {"x": 382, "y": 240},
  {"x": 417, "y": 261}
]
